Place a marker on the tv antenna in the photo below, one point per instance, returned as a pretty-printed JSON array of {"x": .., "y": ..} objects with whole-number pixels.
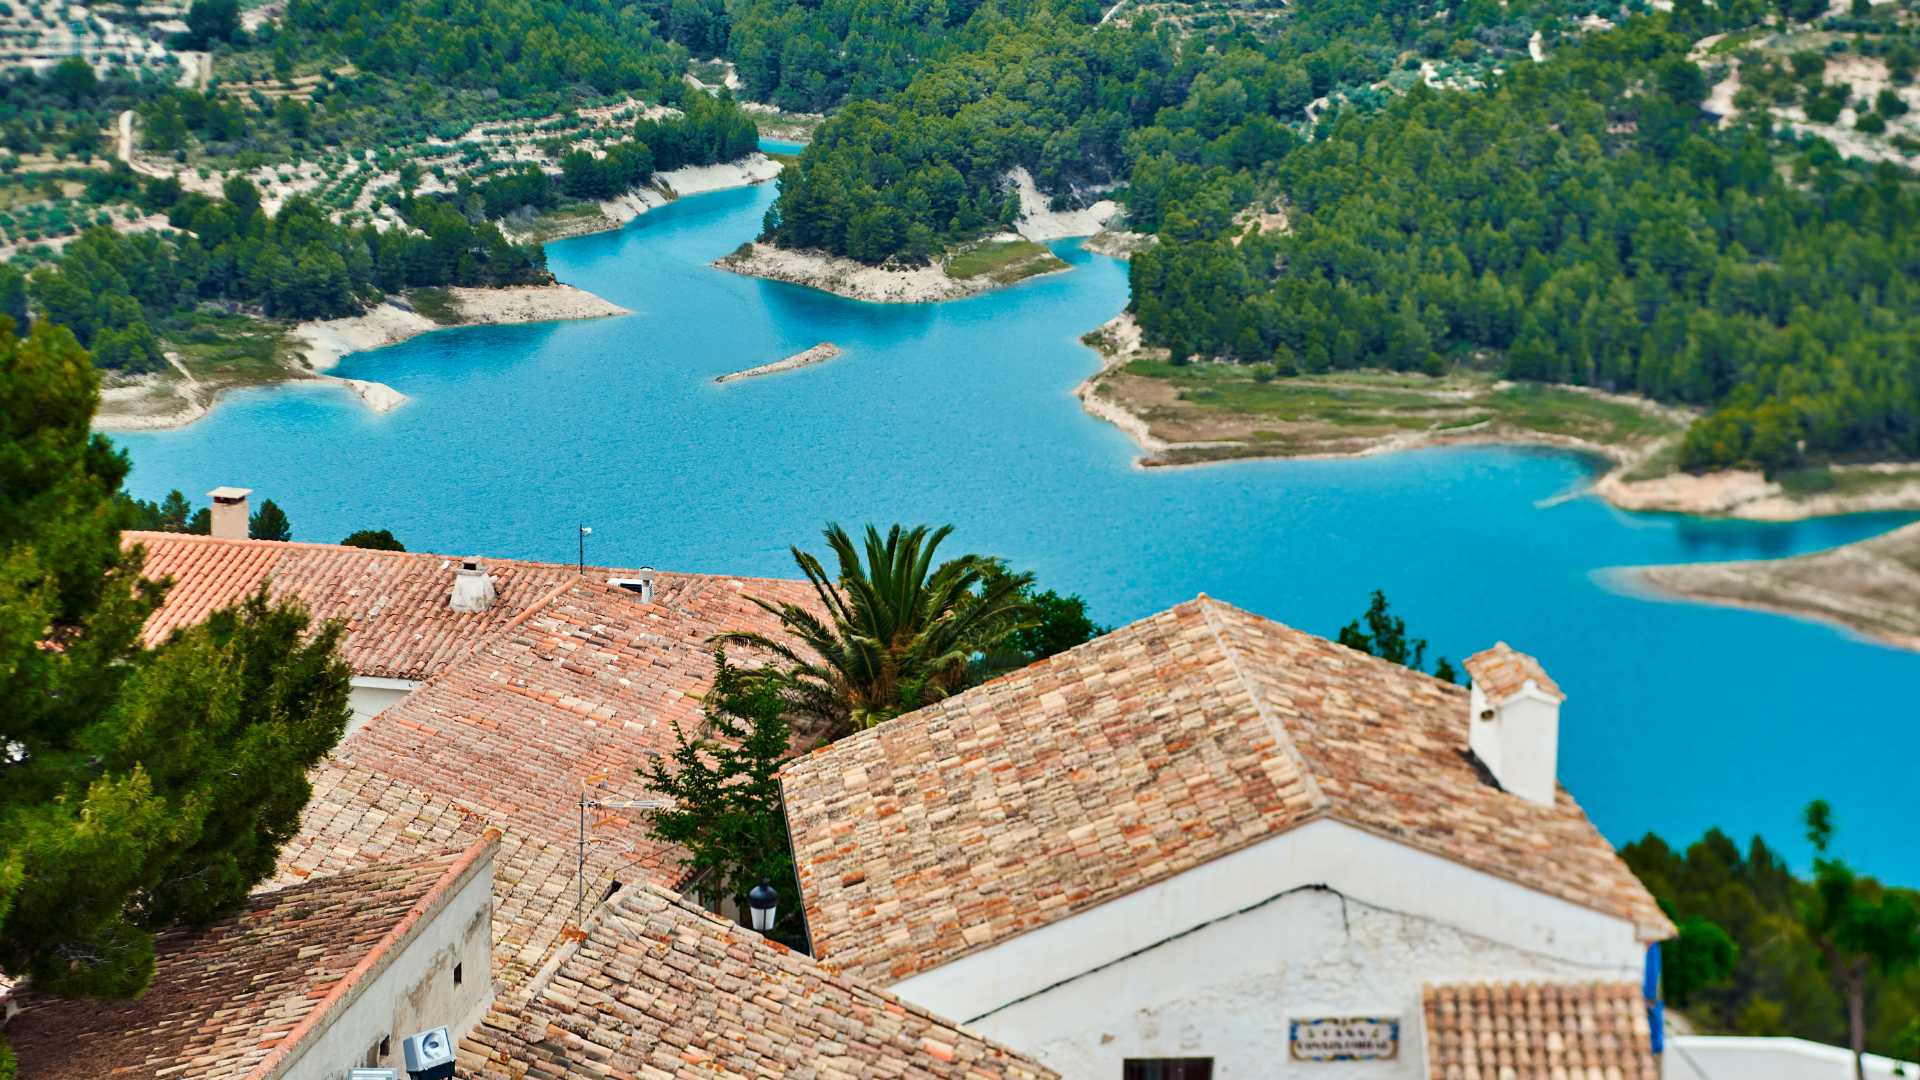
[{"x": 590, "y": 800}]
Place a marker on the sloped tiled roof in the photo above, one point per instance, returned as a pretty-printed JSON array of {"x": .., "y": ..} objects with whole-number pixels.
[
  {"x": 583, "y": 689},
  {"x": 587, "y": 686},
  {"x": 1501, "y": 672},
  {"x": 1135, "y": 757},
  {"x": 234, "y": 1000},
  {"x": 399, "y": 624},
  {"x": 659, "y": 988},
  {"x": 1535, "y": 1031}
]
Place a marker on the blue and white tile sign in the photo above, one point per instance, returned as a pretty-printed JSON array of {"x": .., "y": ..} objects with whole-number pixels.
[{"x": 1344, "y": 1038}]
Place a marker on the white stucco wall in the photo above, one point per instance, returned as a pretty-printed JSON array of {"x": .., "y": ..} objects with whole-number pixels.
[
  {"x": 1326, "y": 920},
  {"x": 415, "y": 991},
  {"x": 1520, "y": 744},
  {"x": 1723, "y": 1057},
  {"x": 369, "y": 696}
]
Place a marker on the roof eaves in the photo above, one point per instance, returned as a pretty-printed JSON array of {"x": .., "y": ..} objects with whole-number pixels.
[{"x": 383, "y": 953}]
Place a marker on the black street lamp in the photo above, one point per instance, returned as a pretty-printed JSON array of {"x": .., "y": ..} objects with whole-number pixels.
[{"x": 763, "y": 903}]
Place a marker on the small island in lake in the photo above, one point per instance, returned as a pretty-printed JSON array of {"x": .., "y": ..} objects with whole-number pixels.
[{"x": 820, "y": 353}]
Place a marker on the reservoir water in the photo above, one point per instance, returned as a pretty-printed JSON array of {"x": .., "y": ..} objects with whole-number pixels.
[{"x": 1679, "y": 717}]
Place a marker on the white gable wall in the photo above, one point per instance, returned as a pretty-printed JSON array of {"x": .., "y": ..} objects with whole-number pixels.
[
  {"x": 1325, "y": 920},
  {"x": 413, "y": 990},
  {"x": 371, "y": 695}
]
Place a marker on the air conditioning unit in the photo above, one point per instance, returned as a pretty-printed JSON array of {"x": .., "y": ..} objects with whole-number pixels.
[{"x": 429, "y": 1055}]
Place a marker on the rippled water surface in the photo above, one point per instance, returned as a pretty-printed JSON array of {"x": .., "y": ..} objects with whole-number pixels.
[{"x": 1679, "y": 716}]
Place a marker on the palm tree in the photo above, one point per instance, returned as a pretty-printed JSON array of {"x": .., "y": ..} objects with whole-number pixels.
[{"x": 891, "y": 633}]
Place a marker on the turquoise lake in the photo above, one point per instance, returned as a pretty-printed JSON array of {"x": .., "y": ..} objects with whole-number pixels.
[{"x": 1679, "y": 717}]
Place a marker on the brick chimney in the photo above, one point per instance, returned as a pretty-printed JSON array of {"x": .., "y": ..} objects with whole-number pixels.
[
  {"x": 230, "y": 515},
  {"x": 1514, "y": 723}
]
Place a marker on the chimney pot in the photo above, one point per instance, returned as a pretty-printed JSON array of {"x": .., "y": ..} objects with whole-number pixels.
[
  {"x": 1514, "y": 721},
  {"x": 230, "y": 515},
  {"x": 473, "y": 590}
]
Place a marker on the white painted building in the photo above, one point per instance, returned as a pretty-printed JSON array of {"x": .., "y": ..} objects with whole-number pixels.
[
  {"x": 309, "y": 981},
  {"x": 1731, "y": 1057},
  {"x": 1207, "y": 845}
]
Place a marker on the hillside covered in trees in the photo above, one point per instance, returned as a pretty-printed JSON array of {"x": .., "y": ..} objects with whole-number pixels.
[
  {"x": 1581, "y": 220},
  {"x": 111, "y": 289},
  {"x": 1750, "y": 960}
]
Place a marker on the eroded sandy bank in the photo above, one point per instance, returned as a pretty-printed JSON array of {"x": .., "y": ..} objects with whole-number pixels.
[
  {"x": 1730, "y": 493},
  {"x": 850, "y": 278},
  {"x": 819, "y": 354},
  {"x": 177, "y": 398},
  {"x": 615, "y": 213}
]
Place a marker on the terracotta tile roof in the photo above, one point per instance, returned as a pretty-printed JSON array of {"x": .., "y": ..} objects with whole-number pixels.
[
  {"x": 1501, "y": 672},
  {"x": 235, "y": 1000},
  {"x": 586, "y": 686},
  {"x": 399, "y": 624},
  {"x": 1140, "y": 755},
  {"x": 659, "y": 988},
  {"x": 1581, "y": 1031}
]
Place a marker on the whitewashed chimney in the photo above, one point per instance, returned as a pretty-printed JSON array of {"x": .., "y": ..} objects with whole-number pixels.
[
  {"x": 230, "y": 514},
  {"x": 1514, "y": 726},
  {"x": 472, "y": 588}
]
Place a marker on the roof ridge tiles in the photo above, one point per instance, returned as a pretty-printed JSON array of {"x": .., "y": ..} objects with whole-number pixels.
[{"x": 1282, "y": 737}]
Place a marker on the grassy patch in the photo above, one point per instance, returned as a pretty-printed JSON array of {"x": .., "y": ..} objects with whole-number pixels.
[
  {"x": 1736, "y": 41},
  {"x": 1004, "y": 262},
  {"x": 1349, "y": 410},
  {"x": 1843, "y": 482},
  {"x": 437, "y": 304},
  {"x": 227, "y": 349}
]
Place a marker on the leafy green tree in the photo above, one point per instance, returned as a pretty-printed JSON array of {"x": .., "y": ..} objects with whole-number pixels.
[
  {"x": 269, "y": 523},
  {"x": 140, "y": 786},
  {"x": 73, "y": 79},
  {"x": 1858, "y": 926},
  {"x": 894, "y": 631},
  {"x": 1049, "y": 623},
  {"x": 1385, "y": 636},
  {"x": 1702, "y": 955},
  {"x": 724, "y": 784},
  {"x": 376, "y": 539},
  {"x": 172, "y": 514},
  {"x": 210, "y": 21}
]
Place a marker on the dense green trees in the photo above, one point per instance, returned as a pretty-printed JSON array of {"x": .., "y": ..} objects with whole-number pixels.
[
  {"x": 269, "y": 523},
  {"x": 141, "y": 786},
  {"x": 509, "y": 47},
  {"x": 1764, "y": 952},
  {"x": 905, "y": 177},
  {"x": 709, "y": 130},
  {"x": 109, "y": 287},
  {"x": 1581, "y": 222},
  {"x": 1385, "y": 635},
  {"x": 373, "y": 539}
]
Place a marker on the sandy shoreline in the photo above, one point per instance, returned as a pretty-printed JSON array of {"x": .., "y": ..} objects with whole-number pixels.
[
  {"x": 615, "y": 213},
  {"x": 856, "y": 280},
  {"x": 154, "y": 402},
  {"x": 1870, "y": 587},
  {"x": 1733, "y": 493},
  {"x": 850, "y": 278}
]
